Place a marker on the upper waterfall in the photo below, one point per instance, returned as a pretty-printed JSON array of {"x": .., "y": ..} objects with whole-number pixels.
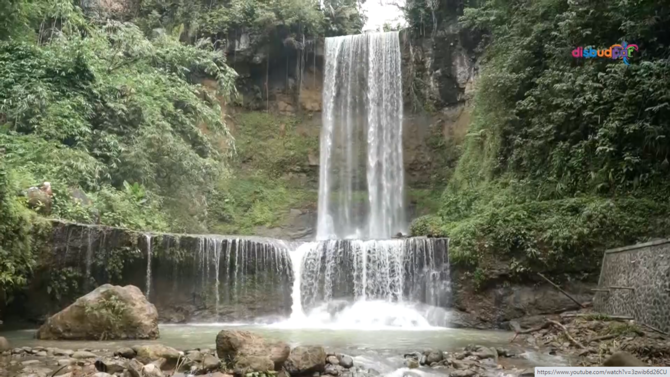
[{"x": 361, "y": 183}]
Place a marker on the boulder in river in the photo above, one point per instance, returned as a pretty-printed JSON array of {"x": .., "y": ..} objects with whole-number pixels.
[
  {"x": 346, "y": 361},
  {"x": 152, "y": 352},
  {"x": 433, "y": 356},
  {"x": 231, "y": 344},
  {"x": 247, "y": 363},
  {"x": 107, "y": 312},
  {"x": 4, "y": 344},
  {"x": 126, "y": 352},
  {"x": 306, "y": 360}
]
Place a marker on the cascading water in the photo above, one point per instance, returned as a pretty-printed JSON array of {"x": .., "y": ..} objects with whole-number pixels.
[
  {"x": 369, "y": 284},
  {"x": 297, "y": 257},
  {"x": 355, "y": 275},
  {"x": 361, "y": 182},
  {"x": 216, "y": 277},
  {"x": 148, "y": 283}
]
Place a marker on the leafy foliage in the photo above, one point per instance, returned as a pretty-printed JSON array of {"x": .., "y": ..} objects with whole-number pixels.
[
  {"x": 16, "y": 258},
  {"x": 263, "y": 19},
  {"x": 110, "y": 311},
  {"x": 104, "y": 109},
  {"x": 565, "y": 157}
]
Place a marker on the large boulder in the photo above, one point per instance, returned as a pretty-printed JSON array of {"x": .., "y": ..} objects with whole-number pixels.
[
  {"x": 108, "y": 312},
  {"x": 306, "y": 360},
  {"x": 233, "y": 344}
]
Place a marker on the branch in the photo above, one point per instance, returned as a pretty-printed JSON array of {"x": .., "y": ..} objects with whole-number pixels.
[
  {"x": 602, "y": 338},
  {"x": 560, "y": 290},
  {"x": 654, "y": 329},
  {"x": 603, "y": 317},
  {"x": 567, "y": 334}
]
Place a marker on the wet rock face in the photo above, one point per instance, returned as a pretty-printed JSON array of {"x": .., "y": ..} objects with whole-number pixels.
[
  {"x": 108, "y": 312},
  {"x": 500, "y": 302}
]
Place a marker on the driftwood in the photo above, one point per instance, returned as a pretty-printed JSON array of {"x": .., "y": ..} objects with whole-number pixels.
[
  {"x": 602, "y": 338},
  {"x": 562, "y": 291},
  {"x": 544, "y": 326},
  {"x": 654, "y": 329},
  {"x": 518, "y": 331},
  {"x": 602, "y": 317},
  {"x": 567, "y": 334}
]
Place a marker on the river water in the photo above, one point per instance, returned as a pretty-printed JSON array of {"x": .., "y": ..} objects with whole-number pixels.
[
  {"x": 381, "y": 349},
  {"x": 345, "y": 340}
]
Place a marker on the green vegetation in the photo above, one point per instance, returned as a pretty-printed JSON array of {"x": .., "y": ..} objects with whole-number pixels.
[
  {"x": 271, "y": 173},
  {"x": 106, "y": 111},
  {"x": 266, "y": 19},
  {"x": 123, "y": 114},
  {"x": 110, "y": 311},
  {"x": 15, "y": 242},
  {"x": 565, "y": 157}
]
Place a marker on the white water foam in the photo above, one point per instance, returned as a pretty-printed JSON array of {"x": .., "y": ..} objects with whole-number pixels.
[{"x": 361, "y": 315}]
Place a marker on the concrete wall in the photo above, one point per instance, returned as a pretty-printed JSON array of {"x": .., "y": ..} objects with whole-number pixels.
[{"x": 646, "y": 269}]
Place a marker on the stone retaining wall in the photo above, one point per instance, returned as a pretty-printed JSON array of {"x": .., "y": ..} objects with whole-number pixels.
[{"x": 641, "y": 275}]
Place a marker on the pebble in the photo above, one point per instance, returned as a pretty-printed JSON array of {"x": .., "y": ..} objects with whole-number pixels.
[
  {"x": 41, "y": 353},
  {"x": 60, "y": 352},
  {"x": 84, "y": 355},
  {"x": 462, "y": 373},
  {"x": 30, "y": 362}
]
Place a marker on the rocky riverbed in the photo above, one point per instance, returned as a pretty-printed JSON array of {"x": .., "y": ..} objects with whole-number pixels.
[{"x": 244, "y": 354}]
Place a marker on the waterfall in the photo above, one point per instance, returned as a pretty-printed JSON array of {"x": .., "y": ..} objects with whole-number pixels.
[
  {"x": 148, "y": 280},
  {"x": 297, "y": 257},
  {"x": 370, "y": 283},
  {"x": 361, "y": 178},
  {"x": 219, "y": 278},
  {"x": 404, "y": 270}
]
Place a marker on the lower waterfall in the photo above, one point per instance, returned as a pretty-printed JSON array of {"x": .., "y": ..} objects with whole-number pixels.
[
  {"x": 214, "y": 279},
  {"x": 401, "y": 283}
]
